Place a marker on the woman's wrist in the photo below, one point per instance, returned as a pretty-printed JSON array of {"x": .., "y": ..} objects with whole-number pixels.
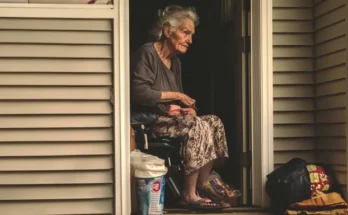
[
  {"x": 171, "y": 96},
  {"x": 178, "y": 96}
]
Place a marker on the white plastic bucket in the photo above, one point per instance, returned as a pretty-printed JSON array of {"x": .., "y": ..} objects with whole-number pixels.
[
  {"x": 150, "y": 195},
  {"x": 150, "y": 182}
]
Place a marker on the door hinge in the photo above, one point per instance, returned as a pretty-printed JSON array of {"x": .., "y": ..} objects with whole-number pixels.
[
  {"x": 246, "y": 44},
  {"x": 246, "y": 159}
]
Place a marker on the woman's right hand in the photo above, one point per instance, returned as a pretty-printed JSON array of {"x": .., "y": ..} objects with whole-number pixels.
[{"x": 186, "y": 100}]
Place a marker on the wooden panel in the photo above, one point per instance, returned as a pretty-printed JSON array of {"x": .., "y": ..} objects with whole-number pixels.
[
  {"x": 55, "y": 65},
  {"x": 329, "y": 33},
  {"x": 331, "y": 116},
  {"x": 330, "y": 18},
  {"x": 293, "y": 144},
  {"x": 334, "y": 101},
  {"x": 331, "y": 130},
  {"x": 52, "y": 93},
  {"x": 103, "y": 206},
  {"x": 283, "y": 157},
  {"x": 292, "y": 14},
  {"x": 56, "y": 163},
  {"x": 292, "y": 3},
  {"x": 56, "y": 149},
  {"x": 330, "y": 46},
  {"x": 54, "y": 79},
  {"x": 292, "y": 52},
  {"x": 55, "y": 107},
  {"x": 330, "y": 143},
  {"x": 327, "y": 6},
  {"x": 291, "y": 78},
  {"x": 330, "y": 88},
  {"x": 291, "y": 65},
  {"x": 55, "y": 37},
  {"x": 334, "y": 73},
  {"x": 62, "y": 121},
  {"x": 292, "y": 26},
  {"x": 293, "y": 39},
  {"x": 331, "y": 157},
  {"x": 44, "y": 135},
  {"x": 56, "y": 24},
  {"x": 331, "y": 60},
  {"x": 293, "y": 118},
  {"x": 293, "y": 131},
  {"x": 59, "y": 177},
  {"x": 55, "y": 192},
  {"x": 292, "y": 105},
  {"x": 55, "y": 51},
  {"x": 292, "y": 91}
]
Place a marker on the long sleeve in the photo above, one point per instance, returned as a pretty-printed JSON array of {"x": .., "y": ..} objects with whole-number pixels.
[{"x": 143, "y": 76}]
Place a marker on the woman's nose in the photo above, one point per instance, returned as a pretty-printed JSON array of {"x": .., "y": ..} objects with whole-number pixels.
[{"x": 189, "y": 39}]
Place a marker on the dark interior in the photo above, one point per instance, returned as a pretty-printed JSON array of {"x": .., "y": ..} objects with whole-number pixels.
[{"x": 209, "y": 69}]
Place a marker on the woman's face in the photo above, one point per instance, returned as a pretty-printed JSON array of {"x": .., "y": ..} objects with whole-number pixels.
[{"x": 181, "y": 38}]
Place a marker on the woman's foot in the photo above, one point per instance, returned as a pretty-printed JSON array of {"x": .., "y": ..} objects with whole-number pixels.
[{"x": 194, "y": 201}]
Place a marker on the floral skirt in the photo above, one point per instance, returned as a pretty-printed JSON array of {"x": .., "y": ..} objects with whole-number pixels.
[{"x": 205, "y": 138}]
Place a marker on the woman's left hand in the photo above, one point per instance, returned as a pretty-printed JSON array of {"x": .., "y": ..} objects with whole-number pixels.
[{"x": 188, "y": 111}]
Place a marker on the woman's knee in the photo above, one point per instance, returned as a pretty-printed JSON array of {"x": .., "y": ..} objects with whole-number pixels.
[{"x": 212, "y": 118}]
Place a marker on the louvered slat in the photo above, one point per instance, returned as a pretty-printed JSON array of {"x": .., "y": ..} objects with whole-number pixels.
[
  {"x": 94, "y": 206},
  {"x": 54, "y": 107}
]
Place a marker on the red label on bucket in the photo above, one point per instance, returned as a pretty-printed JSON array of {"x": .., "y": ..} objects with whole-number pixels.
[{"x": 156, "y": 186}]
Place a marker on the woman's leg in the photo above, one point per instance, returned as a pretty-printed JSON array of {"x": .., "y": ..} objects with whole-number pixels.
[
  {"x": 189, "y": 189},
  {"x": 204, "y": 173},
  {"x": 220, "y": 146},
  {"x": 197, "y": 153}
]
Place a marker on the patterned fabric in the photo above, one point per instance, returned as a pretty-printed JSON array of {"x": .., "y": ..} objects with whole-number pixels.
[
  {"x": 205, "y": 136},
  {"x": 320, "y": 181}
]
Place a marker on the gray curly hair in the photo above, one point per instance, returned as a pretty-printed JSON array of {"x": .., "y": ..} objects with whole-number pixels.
[{"x": 172, "y": 15}]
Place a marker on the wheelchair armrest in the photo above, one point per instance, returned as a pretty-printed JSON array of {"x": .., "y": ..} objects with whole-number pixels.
[
  {"x": 139, "y": 118},
  {"x": 164, "y": 145}
]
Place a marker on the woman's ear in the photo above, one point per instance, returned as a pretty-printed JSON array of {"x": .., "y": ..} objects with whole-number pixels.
[{"x": 166, "y": 31}]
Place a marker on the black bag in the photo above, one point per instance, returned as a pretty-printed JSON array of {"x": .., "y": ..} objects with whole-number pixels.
[{"x": 288, "y": 184}]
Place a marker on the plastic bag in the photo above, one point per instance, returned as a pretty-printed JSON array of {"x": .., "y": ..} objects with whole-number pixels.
[
  {"x": 217, "y": 189},
  {"x": 147, "y": 166}
]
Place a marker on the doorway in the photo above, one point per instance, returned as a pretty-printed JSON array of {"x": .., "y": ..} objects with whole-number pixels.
[{"x": 214, "y": 72}]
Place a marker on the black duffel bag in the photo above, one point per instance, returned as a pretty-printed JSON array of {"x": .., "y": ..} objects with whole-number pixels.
[{"x": 288, "y": 184}]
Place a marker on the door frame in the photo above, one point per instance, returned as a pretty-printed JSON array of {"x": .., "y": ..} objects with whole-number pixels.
[
  {"x": 261, "y": 98},
  {"x": 261, "y": 101}
]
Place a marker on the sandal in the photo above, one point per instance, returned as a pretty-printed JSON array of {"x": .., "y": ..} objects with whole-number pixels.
[
  {"x": 201, "y": 204},
  {"x": 203, "y": 194}
]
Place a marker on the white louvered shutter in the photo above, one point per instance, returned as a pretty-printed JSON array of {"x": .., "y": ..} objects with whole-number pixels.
[
  {"x": 294, "y": 129},
  {"x": 330, "y": 75},
  {"x": 56, "y": 141}
]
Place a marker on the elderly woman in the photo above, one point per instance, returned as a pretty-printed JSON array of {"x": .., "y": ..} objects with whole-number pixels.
[{"x": 156, "y": 87}]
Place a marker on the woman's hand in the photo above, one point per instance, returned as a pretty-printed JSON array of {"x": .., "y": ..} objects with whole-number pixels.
[
  {"x": 188, "y": 111},
  {"x": 174, "y": 110},
  {"x": 186, "y": 100}
]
